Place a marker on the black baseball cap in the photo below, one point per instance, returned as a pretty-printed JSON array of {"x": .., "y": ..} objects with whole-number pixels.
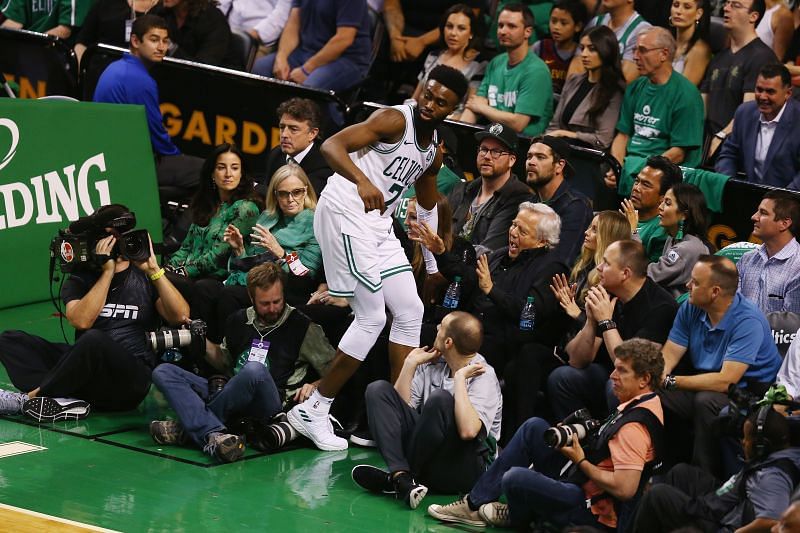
[
  {"x": 560, "y": 147},
  {"x": 503, "y": 134}
]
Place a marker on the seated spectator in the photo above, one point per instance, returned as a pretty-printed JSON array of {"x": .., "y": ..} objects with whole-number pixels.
[
  {"x": 567, "y": 18},
  {"x": 792, "y": 62},
  {"x": 625, "y": 304},
  {"x": 776, "y": 27},
  {"x": 299, "y": 123},
  {"x": 283, "y": 234},
  {"x": 763, "y": 144},
  {"x": 769, "y": 276},
  {"x": 661, "y": 111},
  {"x": 589, "y": 105},
  {"x": 752, "y": 500},
  {"x": 728, "y": 340},
  {"x": 627, "y": 24},
  {"x": 548, "y": 167},
  {"x": 53, "y": 18},
  {"x": 438, "y": 426},
  {"x": 691, "y": 20},
  {"x": 458, "y": 47},
  {"x": 615, "y": 466},
  {"x": 128, "y": 81},
  {"x": 412, "y": 25},
  {"x": 607, "y": 227},
  {"x": 263, "y": 20},
  {"x": 684, "y": 216},
  {"x": 198, "y": 31},
  {"x": 109, "y": 364},
  {"x": 325, "y": 45},
  {"x": 107, "y": 23},
  {"x": 516, "y": 90},
  {"x": 484, "y": 207},
  {"x": 731, "y": 76},
  {"x": 649, "y": 188},
  {"x": 270, "y": 347}
]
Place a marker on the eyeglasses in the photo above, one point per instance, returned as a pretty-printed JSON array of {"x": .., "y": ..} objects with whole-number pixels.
[
  {"x": 641, "y": 50},
  {"x": 496, "y": 152},
  {"x": 296, "y": 194}
]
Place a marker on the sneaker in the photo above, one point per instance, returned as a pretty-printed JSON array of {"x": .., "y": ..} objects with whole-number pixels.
[
  {"x": 316, "y": 427},
  {"x": 11, "y": 402},
  {"x": 226, "y": 448},
  {"x": 363, "y": 437},
  {"x": 273, "y": 436},
  {"x": 408, "y": 490},
  {"x": 167, "y": 432},
  {"x": 457, "y": 512},
  {"x": 44, "y": 409},
  {"x": 373, "y": 479},
  {"x": 495, "y": 514}
]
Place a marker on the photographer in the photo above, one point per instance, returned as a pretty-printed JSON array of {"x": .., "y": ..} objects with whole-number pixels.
[
  {"x": 270, "y": 347},
  {"x": 609, "y": 474},
  {"x": 751, "y": 500},
  {"x": 111, "y": 305}
]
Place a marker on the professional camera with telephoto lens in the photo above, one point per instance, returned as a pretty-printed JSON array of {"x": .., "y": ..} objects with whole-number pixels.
[
  {"x": 576, "y": 426},
  {"x": 192, "y": 335},
  {"x": 74, "y": 247}
]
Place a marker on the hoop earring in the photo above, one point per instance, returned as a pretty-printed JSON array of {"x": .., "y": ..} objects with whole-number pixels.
[{"x": 670, "y": 21}]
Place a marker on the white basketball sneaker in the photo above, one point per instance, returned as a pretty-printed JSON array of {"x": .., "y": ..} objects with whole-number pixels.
[{"x": 316, "y": 426}]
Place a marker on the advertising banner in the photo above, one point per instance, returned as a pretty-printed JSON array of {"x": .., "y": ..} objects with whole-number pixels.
[{"x": 60, "y": 161}]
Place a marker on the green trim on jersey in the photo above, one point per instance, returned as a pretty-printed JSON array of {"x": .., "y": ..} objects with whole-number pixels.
[
  {"x": 351, "y": 265},
  {"x": 399, "y": 143},
  {"x": 395, "y": 270}
]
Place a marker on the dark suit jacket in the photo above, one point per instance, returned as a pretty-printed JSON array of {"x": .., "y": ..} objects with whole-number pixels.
[
  {"x": 782, "y": 165},
  {"x": 313, "y": 164}
]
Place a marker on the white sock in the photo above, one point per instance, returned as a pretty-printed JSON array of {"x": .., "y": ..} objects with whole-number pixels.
[{"x": 319, "y": 403}]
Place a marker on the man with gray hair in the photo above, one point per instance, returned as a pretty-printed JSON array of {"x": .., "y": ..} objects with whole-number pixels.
[
  {"x": 497, "y": 290},
  {"x": 662, "y": 111}
]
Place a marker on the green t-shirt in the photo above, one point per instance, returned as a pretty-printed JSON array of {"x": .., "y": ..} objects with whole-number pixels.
[
  {"x": 446, "y": 179},
  {"x": 526, "y": 88},
  {"x": 653, "y": 237},
  {"x": 658, "y": 117},
  {"x": 43, "y": 15}
]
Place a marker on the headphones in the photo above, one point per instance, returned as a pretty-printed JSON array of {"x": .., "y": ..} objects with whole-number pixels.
[{"x": 761, "y": 444}]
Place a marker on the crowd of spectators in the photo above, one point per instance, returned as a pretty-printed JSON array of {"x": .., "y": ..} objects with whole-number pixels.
[{"x": 538, "y": 303}]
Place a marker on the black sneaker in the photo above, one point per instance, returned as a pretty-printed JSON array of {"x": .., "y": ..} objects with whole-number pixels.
[
  {"x": 373, "y": 479},
  {"x": 226, "y": 448},
  {"x": 44, "y": 409},
  {"x": 408, "y": 490},
  {"x": 363, "y": 438}
]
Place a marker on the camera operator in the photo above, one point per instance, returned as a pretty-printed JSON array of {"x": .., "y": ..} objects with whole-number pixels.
[
  {"x": 111, "y": 305},
  {"x": 751, "y": 500},
  {"x": 604, "y": 482},
  {"x": 270, "y": 346},
  {"x": 728, "y": 340}
]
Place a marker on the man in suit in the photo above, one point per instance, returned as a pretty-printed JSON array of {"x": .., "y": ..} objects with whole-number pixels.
[
  {"x": 762, "y": 144},
  {"x": 299, "y": 123}
]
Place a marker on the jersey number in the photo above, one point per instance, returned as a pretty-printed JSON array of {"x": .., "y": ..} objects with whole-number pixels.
[{"x": 397, "y": 189}]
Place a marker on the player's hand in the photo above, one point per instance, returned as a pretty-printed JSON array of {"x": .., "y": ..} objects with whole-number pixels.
[
  {"x": 103, "y": 249},
  {"x": 234, "y": 238},
  {"x": 371, "y": 196},
  {"x": 431, "y": 286}
]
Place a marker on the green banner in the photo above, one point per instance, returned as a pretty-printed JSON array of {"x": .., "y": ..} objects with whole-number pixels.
[{"x": 60, "y": 161}]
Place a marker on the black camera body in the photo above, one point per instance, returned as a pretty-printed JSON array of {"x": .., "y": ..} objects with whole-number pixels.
[
  {"x": 576, "y": 426},
  {"x": 74, "y": 247}
]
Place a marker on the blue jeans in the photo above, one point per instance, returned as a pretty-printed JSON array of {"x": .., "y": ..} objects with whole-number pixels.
[
  {"x": 527, "y": 472},
  {"x": 338, "y": 75},
  {"x": 571, "y": 388},
  {"x": 251, "y": 392}
]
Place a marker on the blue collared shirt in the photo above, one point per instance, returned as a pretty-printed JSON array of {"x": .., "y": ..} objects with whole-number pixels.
[
  {"x": 772, "y": 283},
  {"x": 743, "y": 335}
]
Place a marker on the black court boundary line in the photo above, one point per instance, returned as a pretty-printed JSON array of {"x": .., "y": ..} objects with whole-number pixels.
[{"x": 99, "y": 438}]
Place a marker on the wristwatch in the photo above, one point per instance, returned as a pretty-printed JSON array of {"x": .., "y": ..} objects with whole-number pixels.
[
  {"x": 605, "y": 325},
  {"x": 670, "y": 383},
  {"x": 721, "y": 134}
]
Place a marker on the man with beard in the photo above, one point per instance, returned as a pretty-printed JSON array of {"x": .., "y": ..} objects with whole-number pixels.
[
  {"x": 547, "y": 165},
  {"x": 269, "y": 346},
  {"x": 374, "y": 163},
  {"x": 484, "y": 207}
]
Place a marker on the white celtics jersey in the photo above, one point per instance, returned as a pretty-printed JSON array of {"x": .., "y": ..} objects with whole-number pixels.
[{"x": 392, "y": 168}]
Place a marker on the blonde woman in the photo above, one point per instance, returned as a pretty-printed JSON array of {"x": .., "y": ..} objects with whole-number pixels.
[{"x": 606, "y": 227}]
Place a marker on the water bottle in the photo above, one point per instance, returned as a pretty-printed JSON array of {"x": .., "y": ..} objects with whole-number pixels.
[
  {"x": 528, "y": 317},
  {"x": 453, "y": 294}
]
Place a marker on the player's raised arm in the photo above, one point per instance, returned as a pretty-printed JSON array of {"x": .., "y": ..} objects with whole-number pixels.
[{"x": 385, "y": 125}]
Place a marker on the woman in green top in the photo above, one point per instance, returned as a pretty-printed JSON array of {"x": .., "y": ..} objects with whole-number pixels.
[
  {"x": 225, "y": 197},
  {"x": 285, "y": 233}
]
